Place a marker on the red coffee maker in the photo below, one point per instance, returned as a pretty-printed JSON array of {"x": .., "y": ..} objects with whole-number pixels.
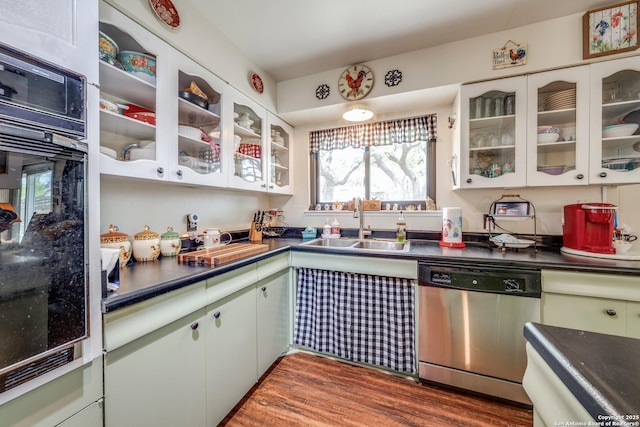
[{"x": 589, "y": 227}]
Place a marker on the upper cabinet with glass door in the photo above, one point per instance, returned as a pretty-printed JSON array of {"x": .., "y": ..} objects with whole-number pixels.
[
  {"x": 249, "y": 128},
  {"x": 557, "y": 131},
  {"x": 615, "y": 138},
  {"x": 279, "y": 179},
  {"x": 129, "y": 137},
  {"x": 492, "y": 134},
  {"x": 197, "y": 157}
]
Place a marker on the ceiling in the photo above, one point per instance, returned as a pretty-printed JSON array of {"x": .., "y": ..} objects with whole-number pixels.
[
  {"x": 289, "y": 39},
  {"x": 294, "y": 38}
]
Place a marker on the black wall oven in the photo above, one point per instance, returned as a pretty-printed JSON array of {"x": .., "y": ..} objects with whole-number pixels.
[{"x": 43, "y": 263}]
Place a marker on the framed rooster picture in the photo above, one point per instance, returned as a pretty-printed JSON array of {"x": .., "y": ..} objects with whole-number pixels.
[{"x": 609, "y": 30}]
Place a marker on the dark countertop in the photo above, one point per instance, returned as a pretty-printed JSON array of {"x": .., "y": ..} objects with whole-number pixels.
[
  {"x": 602, "y": 371},
  {"x": 141, "y": 281}
]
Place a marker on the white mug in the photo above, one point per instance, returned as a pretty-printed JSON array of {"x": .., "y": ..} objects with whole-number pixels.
[{"x": 212, "y": 237}]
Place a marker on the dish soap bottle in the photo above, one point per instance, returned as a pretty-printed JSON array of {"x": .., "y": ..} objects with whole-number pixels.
[
  {"x": 335, "y": 228},
  {"x": 326, "y": 228},
  {"x": 401, "y": 229}
]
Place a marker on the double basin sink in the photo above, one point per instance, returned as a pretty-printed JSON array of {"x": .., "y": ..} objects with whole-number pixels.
[{"x": 365, "y": 244}]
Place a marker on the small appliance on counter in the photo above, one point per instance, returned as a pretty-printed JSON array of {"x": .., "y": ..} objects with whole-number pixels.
[
  {"x": 588, "y": 230},
  {"x": 589, "y": 227}
]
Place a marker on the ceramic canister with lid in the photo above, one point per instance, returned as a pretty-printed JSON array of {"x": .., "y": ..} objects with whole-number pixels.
[
  {"x": 146, "y": 245},
  {"x": 170, "y": 243},
  {"x": 114, "y": 239}
]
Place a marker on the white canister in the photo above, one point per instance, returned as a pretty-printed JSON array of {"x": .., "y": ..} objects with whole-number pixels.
[
  {"x": 452, "y": 228},
  {"x": 212, "y": 237},
  {"x": 146, "y": 245}
]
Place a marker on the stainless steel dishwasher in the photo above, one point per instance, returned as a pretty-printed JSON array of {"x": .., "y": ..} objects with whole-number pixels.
[{"x": 471, "y": 319}]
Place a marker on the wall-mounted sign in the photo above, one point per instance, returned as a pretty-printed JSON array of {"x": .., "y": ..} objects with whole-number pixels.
[{"x": 510, "y": 55}]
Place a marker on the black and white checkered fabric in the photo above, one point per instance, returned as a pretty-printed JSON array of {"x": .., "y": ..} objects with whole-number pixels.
[{"x": 359, "y": 317}]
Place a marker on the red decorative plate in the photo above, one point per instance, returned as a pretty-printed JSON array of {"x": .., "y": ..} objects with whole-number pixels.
[
  {"x": 166, "y": 13},
  {"x": 256, "y": 82}
]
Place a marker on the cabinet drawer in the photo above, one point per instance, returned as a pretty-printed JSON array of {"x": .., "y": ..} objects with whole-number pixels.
[
  {"x": 633, "y": 319},
  {"x": 602, "y": 315}
]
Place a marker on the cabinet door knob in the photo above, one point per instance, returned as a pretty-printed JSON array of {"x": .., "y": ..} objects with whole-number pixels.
[
  {"x": 580, "y": 176},
  {"x": 610, "y": 312},
  {"x": 194, "y": 326},
  {"x": 160, "y": 171},
  {"x": 263, "y": 289},
  {"x": 179, "y": 173},
  {"x": 271, "y": 186},
  {"x": 469, "y": 180},
  {"x": 264, "y": 186},
  {"x": 216, "y": 315},
  {"x": 602, "y": 174}
]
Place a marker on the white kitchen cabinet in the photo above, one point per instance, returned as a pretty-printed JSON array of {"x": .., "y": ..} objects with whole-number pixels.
[
  {"x": 196, "y": 159},
  {"x": 157, "y": 379},
  {"x": 249, "y": 130},
  {"x": 603, "y": 303},
  {"x": 615, "y": 92},
  {"x": 230, "y": 352},
  {"x": 63, "y": 33},
  {"x": 558, "y": 100},
  {"x": 491, "y": 149},
  {"x": 130, "y": 147},
  {"x": 273, "y": 318},
  {"x": 91, "y": 416},
  {"x": 280, "y": 157}
]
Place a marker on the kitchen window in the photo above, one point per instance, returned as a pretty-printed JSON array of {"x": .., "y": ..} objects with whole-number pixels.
[{"x": 392, "y": 161}]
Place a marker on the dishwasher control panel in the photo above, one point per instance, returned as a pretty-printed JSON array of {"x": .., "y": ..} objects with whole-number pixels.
[{"x": 482, "y": 279}]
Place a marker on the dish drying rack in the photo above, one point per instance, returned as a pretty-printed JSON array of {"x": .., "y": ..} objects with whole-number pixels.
[
  {"x": 280, "y": 225},
  {"x": 511, "y": 207}
]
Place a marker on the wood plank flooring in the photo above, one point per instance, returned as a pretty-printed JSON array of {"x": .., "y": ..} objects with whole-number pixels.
[{"x": 307, "y": 390}]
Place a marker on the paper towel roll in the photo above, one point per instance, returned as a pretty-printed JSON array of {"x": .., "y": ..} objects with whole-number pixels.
[{"x": 452, "y": 227}]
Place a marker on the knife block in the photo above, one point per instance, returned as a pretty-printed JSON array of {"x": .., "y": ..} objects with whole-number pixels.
[{"x": 255, "y": 235}]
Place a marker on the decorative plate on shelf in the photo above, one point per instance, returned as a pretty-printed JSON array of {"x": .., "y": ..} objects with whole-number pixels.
[
  {"x": 166, "y": 13},
  {"x": 256, "y": 82}
]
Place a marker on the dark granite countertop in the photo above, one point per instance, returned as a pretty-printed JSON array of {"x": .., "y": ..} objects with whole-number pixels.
[
  {"x": 141, "y": 281},
  {"x": 602, "y": 371}
]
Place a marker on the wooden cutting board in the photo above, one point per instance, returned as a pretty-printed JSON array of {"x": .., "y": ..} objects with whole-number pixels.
[{"x": 221, "y": 254}]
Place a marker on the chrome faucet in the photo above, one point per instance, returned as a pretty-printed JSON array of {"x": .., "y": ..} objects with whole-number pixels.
[{"x": 358, "y": 212}]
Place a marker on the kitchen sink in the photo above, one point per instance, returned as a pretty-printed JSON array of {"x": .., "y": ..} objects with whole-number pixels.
[
  {"x": 380, "y": 244},
  {"x": 333, "y": 243},
  {"x": 366, "y": 245}
]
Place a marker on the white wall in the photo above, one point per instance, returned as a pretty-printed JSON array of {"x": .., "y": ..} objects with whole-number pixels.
[{"x": 132, "y": 204}]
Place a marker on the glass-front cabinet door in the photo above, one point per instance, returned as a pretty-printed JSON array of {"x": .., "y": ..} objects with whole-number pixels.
[
  {"x": 492, "y": 134},
  {"x": 131, "y": 68},
  {"x": 615, "y": 116},
  {"x": 280, "y": 156},
  {"x": 197, "y": 155},
  {"x": 248, "y": 129},
  {"x": 557, "y": 130}
]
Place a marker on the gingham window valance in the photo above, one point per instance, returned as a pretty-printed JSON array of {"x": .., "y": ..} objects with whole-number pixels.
[{"x": 372, "y": 134}]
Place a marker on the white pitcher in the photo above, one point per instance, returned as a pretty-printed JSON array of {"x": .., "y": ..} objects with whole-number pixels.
[{"x": 212, "y": 237}]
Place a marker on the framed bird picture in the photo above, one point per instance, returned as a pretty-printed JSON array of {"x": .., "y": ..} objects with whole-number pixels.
[{"x": 610, "y": 30}]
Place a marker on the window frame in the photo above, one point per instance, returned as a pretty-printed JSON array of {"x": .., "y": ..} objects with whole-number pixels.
[{"x": 314, "y": 180}]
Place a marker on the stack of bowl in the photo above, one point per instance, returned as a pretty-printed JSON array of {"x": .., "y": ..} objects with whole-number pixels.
[
  {"x": 547, "y": 134},
  {"x": 108, "y": 49}
]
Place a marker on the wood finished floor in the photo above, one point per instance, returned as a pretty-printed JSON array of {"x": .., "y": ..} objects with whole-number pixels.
[{"x": 307, "y": 390}]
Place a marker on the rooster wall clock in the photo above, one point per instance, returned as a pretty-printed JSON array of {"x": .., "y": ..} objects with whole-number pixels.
[{"x": 355, "y": 82}]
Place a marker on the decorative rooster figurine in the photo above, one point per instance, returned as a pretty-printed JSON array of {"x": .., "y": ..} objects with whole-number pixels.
[{"x": 354, "y": 85}]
